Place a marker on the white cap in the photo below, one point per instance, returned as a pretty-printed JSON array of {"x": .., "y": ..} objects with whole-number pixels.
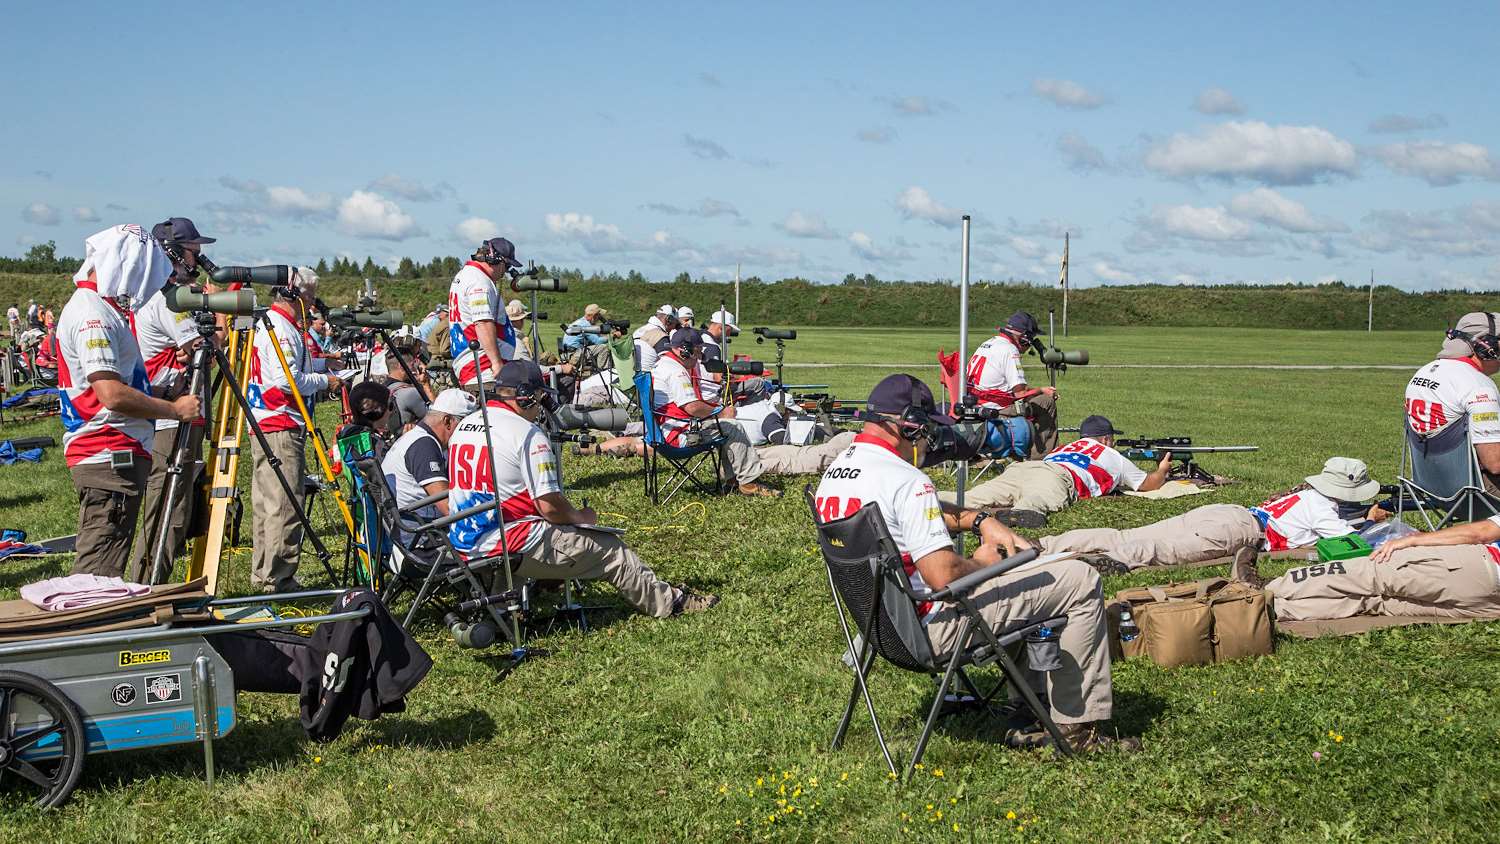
[
  {"x": 723, "y": 317},
  {"x": 667, "y": 311},
  {"x": 454, "y": 402},
  {"x": 684, "y": 314},
  {"x": 304, "y": 280}
]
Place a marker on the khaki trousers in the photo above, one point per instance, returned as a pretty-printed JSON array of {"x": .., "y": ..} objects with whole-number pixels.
[
  {"x": 1459, "y": 581},
  {"x": 277, "y": 532},
  {"x": 568, "y": 552},
  {"x": 803, "y": 459},
  {"x": 1029, "y": 485},
  {"x": 156, "y": 491},
  {"x": 1078, "y": 691},
  {"x": 740, "y": 464},
  {"x": 1041, "y": 409},
  {"x": 109, "y": 499},
  {"x": 1203, "y": 533}
]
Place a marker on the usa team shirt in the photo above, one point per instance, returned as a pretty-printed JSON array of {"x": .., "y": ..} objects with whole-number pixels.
[
  {"x": 524, "y": 470},
  {"x": 673, "y": 388},
  {"x": 472, "y": 299},
  {"x": 94, "y": 336},
  {"x": 161, "y": 331},
  {"x": 1299, "y": 519},
  {"x": 268, "y": 390},
  {"x": 1444, "y": 391},
  {"x": 995, "y": 372},
  {"x": 871, "y": 470},
  {"x": 1096, "y": 469}
]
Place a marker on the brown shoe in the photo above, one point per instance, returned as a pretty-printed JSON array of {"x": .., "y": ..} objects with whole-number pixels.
[
  {"x": 689, "y": 602},
  {"x": 1244, "y": 569},
  {"x": 760, "y": 490},
  {"x": 1103, "y": 564},
  {"x": 1083, "y": 738}
]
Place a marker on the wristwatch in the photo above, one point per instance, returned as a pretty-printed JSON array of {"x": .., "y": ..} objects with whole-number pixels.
[{"x": 979, "y": 520}]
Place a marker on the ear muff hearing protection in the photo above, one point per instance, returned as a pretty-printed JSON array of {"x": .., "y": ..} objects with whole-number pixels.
[
  {"x": 1485, "y": 346},
  {"x": 916, "y": 426}
]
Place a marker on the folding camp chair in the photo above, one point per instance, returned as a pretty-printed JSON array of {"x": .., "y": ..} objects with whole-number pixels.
[
  {"x": 685, "y": 461},
  {"x": 1441, "y": 476},
  {"x": 869, "y": 582}
]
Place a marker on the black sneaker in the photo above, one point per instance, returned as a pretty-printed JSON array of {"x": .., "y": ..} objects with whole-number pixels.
[{"x": 1021, "y": 518}]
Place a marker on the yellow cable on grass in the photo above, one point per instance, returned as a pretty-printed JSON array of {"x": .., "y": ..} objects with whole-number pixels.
[{"x": 701, "y": 522}]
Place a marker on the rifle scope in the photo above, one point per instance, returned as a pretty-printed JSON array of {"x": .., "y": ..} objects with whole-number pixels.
[
  {"x": 390, "y": 319},
  {"x": 184, "y": 299}
]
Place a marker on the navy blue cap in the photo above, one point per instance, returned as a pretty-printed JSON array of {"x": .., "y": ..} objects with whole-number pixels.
[
  {"x": 521, "y": 375},
  {"x": 178, "y": 230},
  {"x": 685, "y": 337},
  {"x": 1024, "y": 323},
  {"x": 499, "y": 247},
  {"x": 895, "y": 393},
  {"x": 1097, "y": 426}
]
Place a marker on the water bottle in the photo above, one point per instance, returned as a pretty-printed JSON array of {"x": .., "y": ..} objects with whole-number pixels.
[
  {"x": 1042, "y": 650},
  {"x": 1128, "y": 629}
]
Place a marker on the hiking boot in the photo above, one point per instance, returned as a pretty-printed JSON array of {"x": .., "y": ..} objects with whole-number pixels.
[
  {"x": 1244, "y": 569},
  {"x": 590, "y": 450},
  {"x": 1104, "y": 565},
  {"x": 1021, "y": 518},
  {"x": 1083, "y": 738},
  {"x": 689, "y": 602},
  {"x": 759, "y": 490}
]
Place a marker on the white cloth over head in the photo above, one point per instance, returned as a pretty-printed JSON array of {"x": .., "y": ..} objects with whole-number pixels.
[{"x": 126, "y": 262}]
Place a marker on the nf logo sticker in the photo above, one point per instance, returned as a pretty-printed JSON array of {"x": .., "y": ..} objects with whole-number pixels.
[
  {"x": 164, "y": 688},
  {"x": 123, "y": 694},
  {"x": 133, "y": 658}
]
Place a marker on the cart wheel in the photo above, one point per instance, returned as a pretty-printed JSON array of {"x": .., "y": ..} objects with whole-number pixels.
[{"x": 54, "y": 778}]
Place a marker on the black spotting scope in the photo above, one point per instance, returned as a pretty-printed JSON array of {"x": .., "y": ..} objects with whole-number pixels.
[
  {"x": 273, "y": 274},
  {"x": 735, "y": 367},
  {"x": 390, "y": 319},
  {"x": 183, "y": 299},
  {"x": 775, "y": 333}
]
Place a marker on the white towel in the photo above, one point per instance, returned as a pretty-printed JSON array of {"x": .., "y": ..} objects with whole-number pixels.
[
  {"x": 79, "y": 590},
  {"x": 126, "y": 262}
]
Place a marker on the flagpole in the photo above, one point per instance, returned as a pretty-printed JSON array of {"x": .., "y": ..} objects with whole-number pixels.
[
  {"x": 737, "y": 314},
  {"x": 1065, "y": 283},
  {"x": 963, "y": 352},
  {"x": 1370, "y": 318}
]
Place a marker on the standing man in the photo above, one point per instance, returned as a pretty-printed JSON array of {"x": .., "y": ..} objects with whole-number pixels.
[
  {"x": 416, "y": 465},
  {"x": 167, "y": 340},
  {"x": 995, "y": 379},
  {"x": 13, "y": 319},
  {"x": 482, "y": 338},
  {"x": 649, "y": 335},
  {"x": 33, "y": 314},
  {"x": 278, "y": 532},
  {"x": 106, "y": 402},
  {"x": 593, "y": 315},
  {"x": 1459, "y": 387},
  {"x": 881, "y": 466},
  {"x": 554, "y": 539}
]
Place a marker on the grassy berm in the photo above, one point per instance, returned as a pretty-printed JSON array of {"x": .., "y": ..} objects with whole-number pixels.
[{"x": 716, "y": 727}]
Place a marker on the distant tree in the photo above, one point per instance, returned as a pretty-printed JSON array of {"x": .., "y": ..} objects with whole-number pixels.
[
  {"x": 683, "y": 278},
  {"x": 851, "y": 279},
  {"x": 43, "y": 253},
  {"x": 408, "y": 269},
  {"x": 322, "y": 267},
  {"x": 634, "y": 277},
  {"x": 369, "y": 269}
]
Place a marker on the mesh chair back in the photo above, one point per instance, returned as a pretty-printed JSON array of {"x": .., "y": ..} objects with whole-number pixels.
[
  {"x": 388, "y": 510},
  {"x": 1443, "y": 464},
  {"x": 865, "y": 568},
  {"x": 651, "y": 433}
]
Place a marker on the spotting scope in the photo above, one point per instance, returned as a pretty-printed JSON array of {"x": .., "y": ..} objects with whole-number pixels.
[
  {"x": 576, "y": 417},
  {"x": 273, "y": 274},
  {"x": 390, "y": 319},
  {"x": 182, "y": 299},
  {"x": 735, "y": 367},
  {"x": 765, "y": 334},
  {"x": 1057, "y": 357}
]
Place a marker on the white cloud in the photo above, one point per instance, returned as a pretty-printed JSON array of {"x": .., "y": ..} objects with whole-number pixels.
[
  {"x": 1468, "y": 231},
  {"x": 864, "y": 246},
  {"x": 1067, "y": 94},
  {"x": 799, "y": 224},
  {"x": 85, "y": 214},
  {"x": 1399, "y": 123},
  {"x": 1217, "y": 101},
  {"x": 581, "y": 229},
  {"x": 916, "y": 106},
  {"x": 1197, "y": 223},
  {"x": 41, "y": 214},
  {"x": 1080, "y": 155},
  {"x": 475, "y": 230},
  {"x": 369, "y": 215},
  {"x": 295, "y": 202},
  {"x": 1105, "y": 271},
  {"x": 1267, "y": 206},
  {"x": 915, "y": 203},
  {"x": 410, "y": 190},
  {"x": 1440, "y": 164},
  {"x": 706, "y": 208},
  {"x": 1026, "y": 247},
  {"x": 876, "y": 135},
  {"x": 705, "y": 148},
  {"x": 1250, "y": 149}
]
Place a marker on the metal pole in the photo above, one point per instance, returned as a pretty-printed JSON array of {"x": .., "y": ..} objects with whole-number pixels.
[
  {"x": 963, "y": 349},
  {"x": 737, "y": 313},
  {"x": 1066, "y": 237},
  {"x": 1370, "y": 318}
]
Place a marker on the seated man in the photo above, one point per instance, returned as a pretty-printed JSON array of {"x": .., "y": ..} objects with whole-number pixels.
[
  {"x": 593, "y": 315},
  {"x": 657, "y": 328},
  {"x": 416, "y": 465},
  {"x": 1459, "y": 387},
  {"x": 881, "y": 466},
  {"x": 554, "y": 539},
  {"x": 1088, "y": 467},
  {"x": 1450, "y": 573},
  {"x": 408, "y": 388},
  {"x": 994, "y": 378},
  {"x": 1329, "y": 504}
]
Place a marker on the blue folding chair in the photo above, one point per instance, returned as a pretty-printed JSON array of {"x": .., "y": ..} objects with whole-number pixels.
[
  {"x": 685, "y": 461},
  {"x": 1441, "y": 476}
]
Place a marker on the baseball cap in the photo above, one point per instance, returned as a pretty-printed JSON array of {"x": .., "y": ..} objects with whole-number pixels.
[
  {"x": 499, "y": 247},
  {"x": 454, "y": 402},
  {"x": 684, "y": 314},
  {"x": 375, "y": 394},
  {"x": 667, "y": 311},
  {"x": 1097, "y": 426},
  {"x": 895, "y": 393},
  {"x": 685, "y": 337},
  {"x": 1476, "y": 324},
  {"x": 178, "y": 230},
  {"x": 1345, "y": 479},
  {"x": 592, "y": 309},
  {"x": 1024, "y": 323},
  {"x": 725, "y": 318},
  {"x": 515, "y": 310},
  {"x": 521, "y": 375}
]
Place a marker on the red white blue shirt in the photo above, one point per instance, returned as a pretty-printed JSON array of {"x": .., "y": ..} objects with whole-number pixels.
[
  {"x": 95, "y": 336},
  {"x": 673, "y": 388},
  {"x": 1446, "y": 390},
  {"x": 473, "y": 298},
  {"x": 871, "y": 470},
  {"x": 1096, "y": 468},
  {"x": 161, "y": 331},
  {"x": 524, "y": 469},
  {"x": 268, "y": 389},
  {"x": 995, "y": 372},
  {"x": 1299, "y": 519}
]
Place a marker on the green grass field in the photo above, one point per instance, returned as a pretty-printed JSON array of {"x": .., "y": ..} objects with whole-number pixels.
[{"x": 700, "y": 728}]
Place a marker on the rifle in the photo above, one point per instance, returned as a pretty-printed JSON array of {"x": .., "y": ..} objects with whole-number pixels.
[{"x": 1184, "y": 454}]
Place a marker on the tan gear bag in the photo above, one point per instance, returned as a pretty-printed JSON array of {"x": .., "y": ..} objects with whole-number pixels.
[{"x": 1194, "y": 623}]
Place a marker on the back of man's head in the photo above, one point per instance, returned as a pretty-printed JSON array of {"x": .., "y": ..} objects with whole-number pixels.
[{"x": 1473, "y": 335}]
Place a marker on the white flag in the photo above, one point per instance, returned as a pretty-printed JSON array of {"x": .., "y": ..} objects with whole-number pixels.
[{"x": 1062, "y": 275}]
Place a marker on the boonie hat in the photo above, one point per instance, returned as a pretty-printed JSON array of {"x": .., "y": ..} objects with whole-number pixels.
[
  {"x": 178, "y": 230},
  {"x": 515, "y": 310},
  {"x": 454, "y": 402},
  {"x": 1097, "y": 426},
  {"x": 1345, "y": 479},
  {"x": 592, "y": 309},
  {"x": 684, "y": 314},
  {"x": 895, "y": 393}
]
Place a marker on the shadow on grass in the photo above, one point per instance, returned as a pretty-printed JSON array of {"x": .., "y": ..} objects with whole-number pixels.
[
  {"x": 23, "y": 498},
  {"x": 15, "y": 573},
  {"x": 604, "y": 478},
  {"x": 449, "y": 732}
]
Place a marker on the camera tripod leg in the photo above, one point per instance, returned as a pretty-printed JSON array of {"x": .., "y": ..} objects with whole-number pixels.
[{"x": 161, "y": 555}]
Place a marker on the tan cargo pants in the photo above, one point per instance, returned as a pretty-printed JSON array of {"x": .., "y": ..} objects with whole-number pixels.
[
  {"x": 109, "y": 499},
  {"x": 739, "y": 461},
  {"x": 1203, "y": 533},
  {"x": 1029, "y": 485},
  {"x": 1459, "y": 581},
  {"x": 803, "y": 459},
  {"x": 568, "y": 552},
  {"x": 156, "y": 490},
  {"x": 277, "y": 532},
  {"x": 1079, "y": 691}
]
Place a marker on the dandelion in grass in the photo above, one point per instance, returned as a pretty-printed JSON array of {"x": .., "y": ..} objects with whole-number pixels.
[
  {"x": 812, "y": 782},
  {"x": 844, "y": 777},
  {"x": 1010, "y": 816},
  {"x": 955, "y": 827}
]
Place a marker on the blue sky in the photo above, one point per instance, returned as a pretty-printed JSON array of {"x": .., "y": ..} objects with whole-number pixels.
[{"x": 1264, "y": 142}]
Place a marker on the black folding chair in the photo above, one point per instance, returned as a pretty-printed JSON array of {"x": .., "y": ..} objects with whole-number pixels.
[
  {"x": 869, "y": 582},
  {"x": 684, "y": 461}
]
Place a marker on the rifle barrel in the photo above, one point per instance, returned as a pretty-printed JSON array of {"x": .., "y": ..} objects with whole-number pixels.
[{"x": 1195, "y": 449}]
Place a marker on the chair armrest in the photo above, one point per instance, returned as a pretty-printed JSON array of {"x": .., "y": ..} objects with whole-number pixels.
[
  {"x": 966, "y": 584},
  {"x": 462, "y": 514},
  {"x": 425, "y": 502}
]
